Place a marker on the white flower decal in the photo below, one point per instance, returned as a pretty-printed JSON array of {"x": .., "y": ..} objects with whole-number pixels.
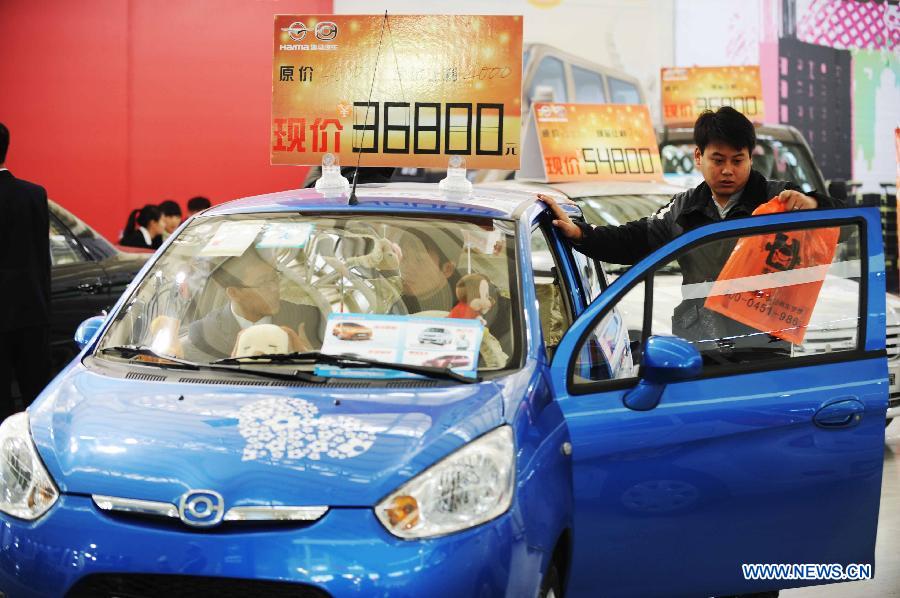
[{"x": 279, "y": 429}]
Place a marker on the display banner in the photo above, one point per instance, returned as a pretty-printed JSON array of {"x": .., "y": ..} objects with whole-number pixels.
[
  {"x": 590, "y": 142},
  {"x": 443, "y": 85},
  {"x": 686, "y": 92}
]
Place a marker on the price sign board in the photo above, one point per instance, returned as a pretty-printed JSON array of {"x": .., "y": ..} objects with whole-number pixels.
[
  {"x": 686, "y": 92},
  {"x": 408, "y": 90},
  {"x": 591, "y": 142}
]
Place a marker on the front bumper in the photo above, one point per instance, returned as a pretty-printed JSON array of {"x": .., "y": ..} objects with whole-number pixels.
[{"x": 347, "y": 552}]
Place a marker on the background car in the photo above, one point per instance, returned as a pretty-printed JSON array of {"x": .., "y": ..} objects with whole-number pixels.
[
  {"x": 781, "y": 153},
  {"x": 88, "y": 275}
]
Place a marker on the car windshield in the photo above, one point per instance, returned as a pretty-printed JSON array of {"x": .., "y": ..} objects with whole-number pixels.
[
  {"x": 772, "y": 158},
  {"x": 227, "y": 286},
  {"x": 614, "y": 210}
]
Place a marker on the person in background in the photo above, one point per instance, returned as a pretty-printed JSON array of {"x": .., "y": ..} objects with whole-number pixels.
[
  {"x": 171, "y": 217},
  {"x": 144, "y": 228},
  {"x": 25, "y": 277},
  {"x": 197, "y": 204}
]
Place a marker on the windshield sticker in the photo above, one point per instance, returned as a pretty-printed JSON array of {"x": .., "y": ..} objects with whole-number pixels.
[
  {"x": 291, "y": 429},
  {"x": 294, "y": 235},
  {"x": 232, "y": 238},
  {"x": 434, "y": 342}
]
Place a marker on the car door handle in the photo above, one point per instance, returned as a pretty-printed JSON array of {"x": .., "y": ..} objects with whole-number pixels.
[
  {"x": 92, "y": 288},
  {"x": 842, "y": 413}
]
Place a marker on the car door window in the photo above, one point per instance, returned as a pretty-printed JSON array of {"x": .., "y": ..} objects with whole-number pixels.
[
  {"x": 553, "y": 299},
  {"x": 588, "y": 86},
  {"x": 623, "y": 92},
  {"x": 745, "y": 301},
  {"x": 63, "y": 248},
  {"x": 551, "y": 73}
]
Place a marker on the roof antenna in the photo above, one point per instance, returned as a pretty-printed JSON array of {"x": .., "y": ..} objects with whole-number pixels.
[{"x": 353, "y": 200}]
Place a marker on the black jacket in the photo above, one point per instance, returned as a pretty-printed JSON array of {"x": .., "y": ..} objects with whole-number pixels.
[
  {"x": 134, "y": 238},
  {"x": 24, "y": 254},
  {"x": 630, "y": 242}
]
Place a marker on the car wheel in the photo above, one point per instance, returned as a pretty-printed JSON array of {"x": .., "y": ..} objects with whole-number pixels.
[{"x": 551, "y": 587}]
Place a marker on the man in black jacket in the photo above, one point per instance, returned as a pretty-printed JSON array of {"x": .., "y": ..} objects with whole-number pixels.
[
  {"x": 731, "y": 189},
  {"x": 25, "y": 280}
]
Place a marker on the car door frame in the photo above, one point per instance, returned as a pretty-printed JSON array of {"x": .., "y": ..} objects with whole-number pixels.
[{"x": 871, "y": 333}]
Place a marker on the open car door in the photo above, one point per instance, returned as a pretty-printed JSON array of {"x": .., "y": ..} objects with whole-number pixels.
[{"x": 741, "y": 444}]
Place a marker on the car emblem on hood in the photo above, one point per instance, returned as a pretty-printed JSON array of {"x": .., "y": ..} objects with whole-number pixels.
[{"x": 201, "y": 508}]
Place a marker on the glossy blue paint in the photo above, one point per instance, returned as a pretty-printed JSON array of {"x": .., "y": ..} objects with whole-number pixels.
[
  {"x": 725, "y": 470},
  {"x": 662, "y": 502},
  {"x": 670, "y": 359},
  {"x": 87, "y": 329},
  {"x": 840, "y": 413}
]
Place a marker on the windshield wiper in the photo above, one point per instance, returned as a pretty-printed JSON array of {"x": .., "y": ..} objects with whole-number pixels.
[
  {"x": 351, "y": 361},
  {"x": 132, "y": 351}
]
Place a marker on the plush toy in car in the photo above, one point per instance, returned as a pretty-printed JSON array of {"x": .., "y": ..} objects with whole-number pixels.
[
  {"x": 261, "y": 339},
  {"x": 473, "y": 291}
]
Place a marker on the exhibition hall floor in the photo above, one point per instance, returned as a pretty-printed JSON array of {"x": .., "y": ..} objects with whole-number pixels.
[{"x": 887, "y": 550}]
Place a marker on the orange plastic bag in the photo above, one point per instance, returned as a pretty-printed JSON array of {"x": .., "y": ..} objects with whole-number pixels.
[{"x": 791, "y": 266}]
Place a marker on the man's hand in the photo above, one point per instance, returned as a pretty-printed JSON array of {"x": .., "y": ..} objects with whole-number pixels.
[
  {"x": 794, "y": 200},
  {"x": 561, "y": 221},
  {"x": 297, "y": 340}
]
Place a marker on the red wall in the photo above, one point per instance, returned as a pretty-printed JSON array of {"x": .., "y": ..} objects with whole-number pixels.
[{"x": 112, "y": 104}]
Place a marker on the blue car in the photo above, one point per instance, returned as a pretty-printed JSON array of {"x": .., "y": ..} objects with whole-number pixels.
[{"x": 207, "y": 442}]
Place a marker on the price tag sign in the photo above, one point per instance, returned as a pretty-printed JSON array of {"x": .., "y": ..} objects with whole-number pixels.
[
  {"x": 686, "y": 92},
  {"x": 591, "y": 142},
  {"x": 443, "y": 85}
]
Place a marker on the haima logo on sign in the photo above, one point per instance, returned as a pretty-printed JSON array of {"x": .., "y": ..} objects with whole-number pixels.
[
  {"x": 201, "y": 508},
  {"x": 325, "y": 31}
]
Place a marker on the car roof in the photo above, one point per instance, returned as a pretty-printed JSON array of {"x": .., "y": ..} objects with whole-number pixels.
[
  {"x": 390, "y": 197},
  {"x": 577, "y": 190},
  {"x": 780, "y": 132}
]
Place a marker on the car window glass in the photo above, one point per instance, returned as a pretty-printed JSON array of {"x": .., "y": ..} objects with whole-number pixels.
[
  {"x": 758, "y": 298},
  {"x": 623, "y": 92},
  {"x": 550, "y": 73},
  {"x": 775, "y": 160},
  {"x": 96, "y": 245},
  {"x": 612, "y": 349},
  {"x": 63, "y": 249},
  {"x": 588, "y": 86},
  {"x": 223, "y": 274},
  {"x": 552, "y": 305}
]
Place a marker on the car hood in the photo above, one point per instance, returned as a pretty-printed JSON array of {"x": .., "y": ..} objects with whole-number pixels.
[{"x": 270, "y": 445}]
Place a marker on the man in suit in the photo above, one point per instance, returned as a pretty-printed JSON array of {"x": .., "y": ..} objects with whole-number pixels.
[
  {"x": 251, "y": 285},
  {"x": 25, "y": 280}
]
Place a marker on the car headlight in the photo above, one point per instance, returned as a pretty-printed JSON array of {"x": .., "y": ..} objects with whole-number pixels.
[
  {"x": 26, "y": 489},
  {"x": 471, "y": 486}
]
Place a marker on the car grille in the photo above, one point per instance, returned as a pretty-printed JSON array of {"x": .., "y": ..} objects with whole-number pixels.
[{"x": 187, "y": 586}]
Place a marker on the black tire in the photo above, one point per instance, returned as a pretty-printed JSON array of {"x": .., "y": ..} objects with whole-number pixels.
[{"x": 552, "y": 584}]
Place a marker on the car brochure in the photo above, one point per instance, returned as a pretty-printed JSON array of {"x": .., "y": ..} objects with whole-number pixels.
[{"x": 452, "y": 343}]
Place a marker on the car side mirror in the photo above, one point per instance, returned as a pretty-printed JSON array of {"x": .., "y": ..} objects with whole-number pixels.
[
  {"x": 665, "y": 359},
  {"x": 87, "y": 330},
  {"x": 837, "y": 188}
]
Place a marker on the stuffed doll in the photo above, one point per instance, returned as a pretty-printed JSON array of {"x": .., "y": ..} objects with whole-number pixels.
[
  {"x": 164, "y": 337},
  {"x": 261, "y": 339},
  {"x": 473, "y": 291}
]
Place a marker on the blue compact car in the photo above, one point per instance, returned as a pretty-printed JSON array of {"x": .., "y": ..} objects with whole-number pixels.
[{"x": 209, "y": 440}]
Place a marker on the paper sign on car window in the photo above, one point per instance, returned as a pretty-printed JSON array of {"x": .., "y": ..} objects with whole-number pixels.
[
  {"x": 436, "y": 342},
  {"x": 232, "y": 238},
  {"x": 294, "y": 235}
]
